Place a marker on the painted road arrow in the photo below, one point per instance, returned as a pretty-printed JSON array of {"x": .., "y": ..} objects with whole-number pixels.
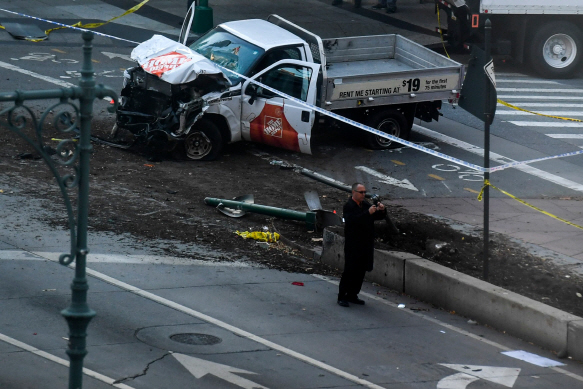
[
  {"x": 199, "y": 368},
  {"x": 114, "y": 55},
  {"x": 469, "y": 373},
  {"x": 406, "y": 184}
]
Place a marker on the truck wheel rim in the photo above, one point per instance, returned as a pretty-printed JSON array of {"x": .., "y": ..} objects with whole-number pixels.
[
  {"x": 391, "y": 127},
  {"x": 198, "y": 145},
  {"x": 559, "y": 51}
]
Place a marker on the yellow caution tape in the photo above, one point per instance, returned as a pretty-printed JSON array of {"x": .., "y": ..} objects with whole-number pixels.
[
  {"x": 487, "y": 183},
  {"x": 441, "y": 32},
  {"x": 259, "y": 235},
  {"x": 60, "y": 140},
  {"x": 536, "y": 113},
  {"x": 93, "y": 25}
]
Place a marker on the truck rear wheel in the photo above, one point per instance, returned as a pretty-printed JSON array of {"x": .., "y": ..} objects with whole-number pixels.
[
  {"x": 204, "y": 142},
  {"x": 392, "y": 122},
  {"x": 556, "y": 50}
]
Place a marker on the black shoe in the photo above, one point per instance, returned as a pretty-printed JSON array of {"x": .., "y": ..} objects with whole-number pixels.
[
  {"x": 343, "y": 303},
  {"x": 355, "y": 300},
  {"x": 357, "y": 3},
  {"x": 377, "y": 6},
  {"x": 391, "y": 10}
]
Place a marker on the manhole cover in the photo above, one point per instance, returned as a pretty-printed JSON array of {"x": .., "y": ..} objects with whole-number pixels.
[{"x": 196, "y": 339}]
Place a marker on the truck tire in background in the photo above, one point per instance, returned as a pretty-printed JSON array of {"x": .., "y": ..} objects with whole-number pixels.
[
  {"x": 204, "y": 142},
  {"x": 392, "y": 122},
  {"x": 556, "y": 50}
]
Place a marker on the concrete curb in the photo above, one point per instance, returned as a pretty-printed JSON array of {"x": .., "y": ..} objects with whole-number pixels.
[{"x": 449, "y": 289}]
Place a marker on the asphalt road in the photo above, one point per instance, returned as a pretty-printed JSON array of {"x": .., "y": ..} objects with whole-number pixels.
[
  {"x": 271, "y": 333},
  {"x": 164, "y": 322}
]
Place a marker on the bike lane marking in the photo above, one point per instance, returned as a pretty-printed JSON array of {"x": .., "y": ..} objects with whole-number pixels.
[{"x": 61, "y": 361}]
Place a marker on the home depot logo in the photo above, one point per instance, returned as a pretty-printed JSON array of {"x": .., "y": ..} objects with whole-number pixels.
[
  {"x": 164, "y": 63},
  {"x": 273, "y": 127}
]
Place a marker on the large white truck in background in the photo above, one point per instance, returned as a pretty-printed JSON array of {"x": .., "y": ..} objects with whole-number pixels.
[{"x": 547, "y": 35}]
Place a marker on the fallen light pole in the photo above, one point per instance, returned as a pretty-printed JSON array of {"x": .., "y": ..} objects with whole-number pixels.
[{"x": 308, "y": 217}]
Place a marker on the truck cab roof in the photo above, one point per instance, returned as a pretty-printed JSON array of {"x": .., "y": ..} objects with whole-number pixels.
[{"x": 262, "y": 33}]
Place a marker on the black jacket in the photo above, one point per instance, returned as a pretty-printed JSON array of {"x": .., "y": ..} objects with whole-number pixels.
[{"x": 359, "y": 233}]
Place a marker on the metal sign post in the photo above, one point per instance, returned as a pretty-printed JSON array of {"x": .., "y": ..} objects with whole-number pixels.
[{"x": 487, "y": 121}]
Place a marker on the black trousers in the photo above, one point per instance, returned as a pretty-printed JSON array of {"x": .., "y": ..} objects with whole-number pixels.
[{"x": 351, "y": 280}]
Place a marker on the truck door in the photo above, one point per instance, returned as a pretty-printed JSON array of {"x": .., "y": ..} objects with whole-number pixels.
[
  {"x": 186, "y": 24},
  {"x": 274, "y": 120}
]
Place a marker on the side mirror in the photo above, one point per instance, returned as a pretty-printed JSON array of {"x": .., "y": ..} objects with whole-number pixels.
[{"x": 252, "y": 90}]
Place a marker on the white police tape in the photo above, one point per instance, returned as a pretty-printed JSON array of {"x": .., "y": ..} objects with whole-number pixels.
[
  {"x": 402, "y": 141},
  {"x": 359, "y": 125},
  {"x": 344, "y": 119},
  {"x": 68, "y": 26}
]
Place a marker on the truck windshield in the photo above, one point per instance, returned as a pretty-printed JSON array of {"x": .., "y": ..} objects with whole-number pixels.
[{"x": 229, "y": 51}]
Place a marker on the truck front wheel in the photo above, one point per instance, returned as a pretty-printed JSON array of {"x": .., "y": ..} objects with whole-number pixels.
[
  {"x": 392, "y": 122},
  {"x": 204, "y": 142},
  {"x": 556, "y": 50}
]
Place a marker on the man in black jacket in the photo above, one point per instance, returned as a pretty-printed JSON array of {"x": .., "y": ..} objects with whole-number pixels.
[{"x": 359, "y": 216}]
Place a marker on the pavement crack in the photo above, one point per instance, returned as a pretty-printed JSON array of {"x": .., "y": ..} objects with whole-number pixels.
[{"x": 144, "y": 372}]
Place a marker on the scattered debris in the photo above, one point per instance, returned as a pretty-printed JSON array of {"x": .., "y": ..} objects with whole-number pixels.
[
  {"x": 298, "y": 283},
  {"x": 472, "y": 321},
  {"x": 259, "y": 235},
  {"x": 24, "y": 31},
  {"x": 281, "y": 164},
  {"x": 264, "y": 245},
  {"x": 401, "y": 306},
  {"x": 579, "y": 294}
]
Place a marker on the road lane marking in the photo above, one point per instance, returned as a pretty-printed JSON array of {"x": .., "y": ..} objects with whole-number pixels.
[
  {"x": 201, "y": 367},
  {"x": 445, "y": 325},
  {"x": 219, "y": 323},
  {"x": 551, "y": 113},
  {"x": 503, "y": 80},
  {"x": 36, "y": 75},
  {"x": 436, "y": 177},
  {"x": 545, "y": 124},
  {"x": 397, "y": 162},
  {"x": 565, "y": 136},
  {"x": 545, "y": 105},
  {"x": 505, "y": 376},
  {"x": 124, "y": 258},
  {"x": 40, "y": 76},
  {"x": 539, "y": 90},
  {"x": 117, "y": 55},
  {"x": 499, "y": 158},
  {"x": 405, "y": 184},
  {"x": 61, "y": 361},
  {"x": 507, "y": 97}
]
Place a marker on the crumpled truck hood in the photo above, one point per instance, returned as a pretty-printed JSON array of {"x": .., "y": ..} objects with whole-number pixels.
[{"x": 173, "y": 62}]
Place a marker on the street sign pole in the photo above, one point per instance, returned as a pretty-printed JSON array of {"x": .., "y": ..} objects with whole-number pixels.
[{"x": 488, "y": 119}]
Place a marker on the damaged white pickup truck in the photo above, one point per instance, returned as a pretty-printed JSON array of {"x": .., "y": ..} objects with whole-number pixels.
[{"x": 178, "y": 96}]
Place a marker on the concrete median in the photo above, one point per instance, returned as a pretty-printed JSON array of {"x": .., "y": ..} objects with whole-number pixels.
[{"x": 486, "y": 303}]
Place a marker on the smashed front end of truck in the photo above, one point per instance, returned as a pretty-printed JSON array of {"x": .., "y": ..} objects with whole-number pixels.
[{"x": 163, "y": 97}]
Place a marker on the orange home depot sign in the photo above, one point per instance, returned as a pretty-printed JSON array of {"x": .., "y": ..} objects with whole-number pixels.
[
  {"x": 165, "y": 62},
  {"x": 272, "y": 128}
]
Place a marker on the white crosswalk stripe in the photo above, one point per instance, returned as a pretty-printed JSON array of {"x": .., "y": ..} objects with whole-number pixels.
[{"x": 546, "y": 97}]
